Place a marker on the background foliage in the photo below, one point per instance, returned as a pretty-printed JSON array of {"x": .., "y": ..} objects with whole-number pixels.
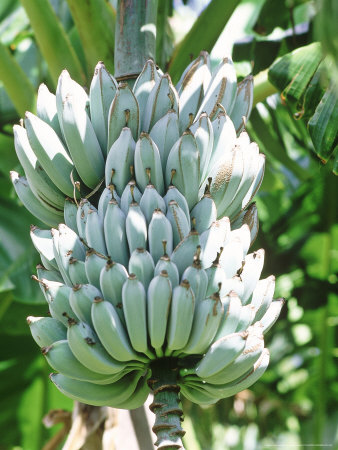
[{"x": 295, "y": 403}]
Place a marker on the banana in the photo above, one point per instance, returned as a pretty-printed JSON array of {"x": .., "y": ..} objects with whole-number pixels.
[
  {"x": 246, "y": 317},
  {"x": 207, "y": 317},
  {"x": 151, "y": 201},
  {"x": 112, "y": 333},
  {"x": 81, "y": 299},
  {"x": 139, "y": 396},
  {"x": 136, "y": 228},
  {"x": 57, "y": 296},
  {"x": 161, "y": 99},
  {"x": 144, "y": 84},
  {"x": 159, "y": 230},
  {"x": 46, "y": 330},
  {"x": 51, "y": 153},
  {"x": 134, "y": 308},
  {"x": 193, "y": 86},
  {"x": 168, "y": 266},
  {"x": 221, "y": 354},
  {"x": 60, "y": 357},
  {"x": 197, "y": 395},
  {"x": 43, "y": 242},
  {"x": 173, "y": 194},
  {"x": 213, "y": 239},
  {"x": 94, "y": 232},
  {"x": 82, "y": 215},
  {"x": 250, "y": 273},
  {"x": 82, "y": 142},
  {"x": 248, "y": 217},
  {"x": 232, "y": 311},
  {"x": 243, "y": 139},
  {"x": 46, "y": 109},
  {"x": 142, "y": 265},
  {"x": 180, "y": 318},
  {"x": 40, "y": 182},
  {"x": 184, "y": 253},
  {"x": 257, "y": 181},
  {"x": 77, "y": 272},
  {"x": 165, "y": 133},
  {"x": 204, "y": 136},
  {"x": 88, "y": 350},
  {"x": 184, "y": 154},
  {"x": 55, "y": 237},
  {"x": 147, "y": 162},
  {"x": 119, "y": 160},
  {"x": 197, "y": 278},
  {"x": 221, "y": 90},
  {"x": 49, "y": 274},
  {"x": 232, "y": 256},
  {"x": 106, "y": 196},
  {"x": 130, "y": 194},
  {"x": 112, "y": 278},
  {"x": 102, "y": 92},
  {"x": 124, "y": 112},
  {"x": 70, "y": 213},
  {"x": 178, "y": 220},
  {"x": 271, "y": 314},
  {"x": 35, "y": 206},
  {"x": 253, "y": 349},
  {"x": 93, "y": 266},
  {"x": 112, "y": 394},
  {"x": 244, "y": 235},
  {"x": 216, "y": 278},
  {"x": 115, "y": 233},
  {"x": 69, "y": 245},
  {"x": 243, "y": 103},
  {"x": 262, "y": 296},
  {"x": 204, "y": 212},
  {"x": 158, "y": 308}
]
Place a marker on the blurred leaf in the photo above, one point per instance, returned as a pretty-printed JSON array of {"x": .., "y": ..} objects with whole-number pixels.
[
  {"x": 213, "y": 18},
  {"x": 95, "y": 22},
  {"x": 53, "y": 40},
  {"x": 164, "y": 35}
]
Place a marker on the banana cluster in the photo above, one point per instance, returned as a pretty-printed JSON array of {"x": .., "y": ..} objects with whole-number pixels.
[{"x": 154, "y": 263}]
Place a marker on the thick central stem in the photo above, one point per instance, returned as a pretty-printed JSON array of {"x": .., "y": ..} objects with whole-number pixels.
[{"x": 166, "y": 405}]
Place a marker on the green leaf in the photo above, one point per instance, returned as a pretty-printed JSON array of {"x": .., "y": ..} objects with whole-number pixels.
[
  {"x": 202, "y": 36},
  {"x": 95, "y": 22},
  {"x": 53, "y": 40}
]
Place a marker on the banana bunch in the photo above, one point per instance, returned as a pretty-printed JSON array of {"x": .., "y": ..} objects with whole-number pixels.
[{"x": 148, "y": 192}]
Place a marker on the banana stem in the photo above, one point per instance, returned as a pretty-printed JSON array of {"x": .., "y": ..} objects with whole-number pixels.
[
  {"x": 262, "y": 87},
  {"x": 166, "y": 405},
  {"x": 135, "y": 37}
]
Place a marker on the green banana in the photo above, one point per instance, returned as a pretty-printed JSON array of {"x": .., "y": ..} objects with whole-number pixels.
[
  {"x": 49, "y": 274},
  {"x": 197, "y": 278},
  {"x": 246, "y": 317},
  {"x": 57, "y": 296},
  {"x": 262, "y": 296},
  {"x": 232, "y": 310},
  {"x": 165, "y": 133},
  {"x": 204, "y": 136},
  {"x": 112, "y": 278},
  {"x": 81, "y": 299},
  {"x": 159, "y": 230},
  {"x": 144, "y": 85},
  {"x": 77, "y": 272},
  {"x": 213, "y": 239},
  {"x": 179, "y": 223},
  {"x": 93, "y": 265},
  {"x": 271, "y": 314},
  {"x": 173, "y": 194},
  {"x": 250, "y": 273},
  {"x": 142, "y": 265},
  {"x": 147, "y": 162},
  {"x": 46, "y": 109},
  {"x": 151, "y": 201},
  {"x": 115, "y": 233},
  {"x": 184, "y": 253},
  {"x": 243, "y": 103},
  {"x": 43, "y": 242},
  {"x": 204, "y": 213},
  {"x": 168, "y": 266},
  {"x": 130, "y": 195},
  {"x": 46, "y": 330},
  {"x": 94, "y": 232},
  {"x": 224, "y": 139},
  {"x": 70, "y": 213},
  {"x": 136, "y": 228}
]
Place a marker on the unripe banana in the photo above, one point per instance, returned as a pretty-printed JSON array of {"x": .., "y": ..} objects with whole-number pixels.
[
  {"x": 248, "y": 217},
  {"x": 57, "y": 296},
  {"x": 51, "y": 153},
  {"x": 112, "y": 278},
  {"x": 82, "y": 215},
  {"x": 232, "y": 256},
  {"x": 178, "y": 220},
  {"x": 216, "y": 278},
  {"x": 111, "y": 332},
  {"x": 257, "y": 181},
  {"x": 262, "y": 296},
  {"x": 94, "y": 232},
  {"x": 184, "y": 154},
  {"x": 46, "y": 108},
  {"x": 108, "y": 194},
  {"x": 165, "y": 133},
  {"x": 207, "y": 317},
  {"x": 43, "y": 242},
  {"x": 46, "y": 330},
  {"x": 59, "y": 261},
  {"x": 77, "y": 272},
  {"x": 204, "y": 213},
  {"x": 69, "y": 246},
  {"x": 181, "y": 317},
  {"x": 221, "y": 90},
  {"x": 184, "y": 253},
  {"x": 271, "y": 314},
  {"x": 130, "y": 194},
  {"x": 124, "y": 112},
  {"x": 244, "y": 235},
  {"x": 151, "y": 201},
  {"x": 93, "y": 265},
  {"x": 102, "y": 92},
  {"x": 252, "y": 268},
  {"x": 213, "y": 239},
  {"x": 165, "y": 264},
  {"x": 70, "y": 213},
  {"x": 81, "y": 299},
  {"x": 197, "y": 278},
  {"x": 232, "y": 311},
  {"x": 115, "y": 233},
  {"x": 60, "y": 357},
  {"x": 134, "y": 308},
  {"x": 158, "y": 307},
  {"x": 196, "y": 395},
  {"x": 221, "y": 354},
  {"x": 136, "y": 228},
  {"x": 159, "y": 230},
  {"x": 142, "y": 265},
  {"x": 119, "y": 160},
  {"x": 147, "y": 162},
  {"x": 144, "y": 85},
  {"x": 243, "y": 103},
  {"x": 204, "y": 136},
  {"x": 87, "y": 348},
  {"x": 246, "y": 317},
  {"x": 49, "y": 274},
  {"x": 162, "y": 98},
  {"x": 139, "y": 396},
  {"x": 173, "y": 194}
]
